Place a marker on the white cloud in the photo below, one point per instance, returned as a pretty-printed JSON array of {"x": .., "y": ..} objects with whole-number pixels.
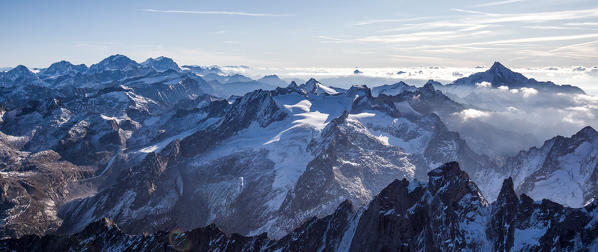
[
  {"x": 483, "y": 84},
  {"x": 506, "y": 122},
  {"x": 527, "y": 92},
  {"x": 491, "y": 35},
  {"x": 467, "y": 114},
  {"x": 391, "y": 20},
  {"x": 498, "y": 3},
  {"x": 231, "y": 13}
]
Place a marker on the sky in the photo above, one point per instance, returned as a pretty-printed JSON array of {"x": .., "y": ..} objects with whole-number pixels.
[{"x": 268, "y": 33}]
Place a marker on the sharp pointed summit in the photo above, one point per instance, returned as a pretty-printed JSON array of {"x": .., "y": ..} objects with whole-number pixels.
[{"x": 497, "y": 66}]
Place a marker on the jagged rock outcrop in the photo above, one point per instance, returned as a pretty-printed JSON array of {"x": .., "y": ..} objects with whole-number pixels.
[{"x": 448, "y": 213}]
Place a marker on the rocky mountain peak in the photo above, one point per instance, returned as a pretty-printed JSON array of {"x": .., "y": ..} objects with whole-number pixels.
[
  {"x": 429, "y": 86},
  {"x": 161, "y": 64},
  {"x": 20, "y": 72},
  {"x": 61, "y": 68},
  {"x": 99, "y": 226},
  {"x": 361, "y": 90},
  {"x": 586, "y": 133},
  {"x": 498, "y": 67},
  {"x": 114, "y": 62},
  {"x": 20, "y": 69},
  {"x": 450, "y": 184},
  {"x": 293, "y": 84},
  {"x": 311, "y": 85},
  {"x": 507, "y": 193},
  {"x": 273, "y": 80}
]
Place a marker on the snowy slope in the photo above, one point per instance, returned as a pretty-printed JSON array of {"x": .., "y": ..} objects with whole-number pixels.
[
  {"x": 564, "y": 169},
  {"x": 149, "y": 146}
]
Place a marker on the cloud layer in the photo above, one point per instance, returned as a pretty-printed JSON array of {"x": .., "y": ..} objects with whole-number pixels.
[{"x": 505, "y": 120}]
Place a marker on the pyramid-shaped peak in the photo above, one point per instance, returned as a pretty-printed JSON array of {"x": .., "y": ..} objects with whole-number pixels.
[
  {"x": 587, "y": 133},
  {"x": 311, "y": 85},
  {"x": 293, "y": 84},
  {"x": 447, "y": 175},
  {"x": 429, "y": 86},
  {"x": 117, "y": 57},
  {"x": 311, "y": 81},
  {"x": 20, "y": 69},
  {"x": 507, "y": 192},
  {"x": 498, "y": 67}
]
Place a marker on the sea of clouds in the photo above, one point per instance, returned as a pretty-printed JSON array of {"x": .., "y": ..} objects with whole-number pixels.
[{"x": 502, "y": 121}]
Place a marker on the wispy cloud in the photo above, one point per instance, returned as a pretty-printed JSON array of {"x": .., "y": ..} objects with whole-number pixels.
[
  {"x": 537, "y": 39},
  {"x": 392, "y": 20},
  {"x": 537, "y": 17},
  {"x": 229, "y": 13},
  {"x": 583, "y": 24},
  {"x": 498, "y": 3},
  {"x": 473, "y": 12},
  {"x": 399, "y": 38}
]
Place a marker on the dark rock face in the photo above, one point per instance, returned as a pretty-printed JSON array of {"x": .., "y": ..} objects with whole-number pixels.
[
  {"x": 434, "y": 217},
  {"x": 446, "y": 214}
]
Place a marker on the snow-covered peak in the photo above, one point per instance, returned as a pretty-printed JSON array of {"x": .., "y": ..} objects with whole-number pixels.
[
  {"x": 20, "y": 72},
  {"x": 114, "y": 62},
  {"x": 311, "y": 84},
  {"x": 561, "y": 170},
  {"x": 273, "y": 80},
  {"x": 62, "y": 68},
  {"x": 237, "y": 78},
  {"x": 359, "y": 90},
  {"x": 315, "y": 87},
  {"x": 393, "y": 89},
  {"x": 203, "y": 70},
  {"x": 161, "y": 64},
  {"x": 499, "y": 75}
]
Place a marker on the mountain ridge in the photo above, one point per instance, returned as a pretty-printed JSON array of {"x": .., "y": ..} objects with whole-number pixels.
[{"x": 444, "y": 214}]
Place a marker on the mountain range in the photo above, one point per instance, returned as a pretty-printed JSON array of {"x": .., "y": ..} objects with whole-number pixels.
[
  {"x": 152, "y": 146},
  {"x": 447, "y": 213}
]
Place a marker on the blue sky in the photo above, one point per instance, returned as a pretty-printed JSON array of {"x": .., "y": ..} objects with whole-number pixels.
[{"x": 518, "y": 33}]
